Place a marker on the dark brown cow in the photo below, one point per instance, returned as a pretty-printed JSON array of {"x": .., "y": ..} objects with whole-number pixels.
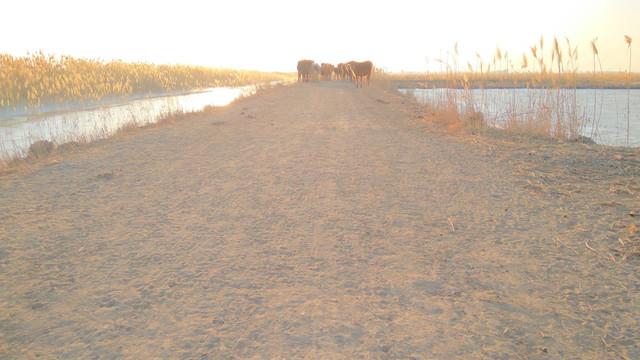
[
  {"x": 304, "y": 67},
  {"x": 327, "y": 70},
  {"x": 360, "y": 70}
]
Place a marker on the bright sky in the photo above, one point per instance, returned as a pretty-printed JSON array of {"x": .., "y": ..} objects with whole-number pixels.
[{"x": 273, "y": 35}]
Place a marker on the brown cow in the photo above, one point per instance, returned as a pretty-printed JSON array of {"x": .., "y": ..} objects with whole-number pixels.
[
  {"x": 347, "y": 72},
  {"x": 314, "y": 73},
  {"x": 339, "y": 71},
  {"x": 360, "y": 70},
  {"x": 327, "y": 70},
  {"x": 304, "y": 67}
]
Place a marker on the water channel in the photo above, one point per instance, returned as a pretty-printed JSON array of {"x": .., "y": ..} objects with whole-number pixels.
[
  {"x": 19, "y": 131},
  {"x": 600, "y": 113}
]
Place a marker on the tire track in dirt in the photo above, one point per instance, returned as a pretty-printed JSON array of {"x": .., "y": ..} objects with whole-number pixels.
[{"x": 311, "y": 221}]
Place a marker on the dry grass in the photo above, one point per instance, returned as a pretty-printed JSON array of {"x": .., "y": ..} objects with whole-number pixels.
[
  {"x": 40, "y": 153},
  {"x": 630, "y": 240}
]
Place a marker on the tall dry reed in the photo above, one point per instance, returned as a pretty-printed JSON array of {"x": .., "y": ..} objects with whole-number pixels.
[
  {"x": 596, "y": 85},
  {"x": 549, "y": 72},
  {"x": 627, "y": 39}
]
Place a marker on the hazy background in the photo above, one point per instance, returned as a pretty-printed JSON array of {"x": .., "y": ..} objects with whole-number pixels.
[{"x": 273, "y": 35}]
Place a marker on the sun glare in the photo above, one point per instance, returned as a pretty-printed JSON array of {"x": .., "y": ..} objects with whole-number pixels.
[{"x": 272, "y": 36}]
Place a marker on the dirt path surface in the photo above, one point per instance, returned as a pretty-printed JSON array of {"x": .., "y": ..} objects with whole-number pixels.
[{"x": 321, "y": 221}]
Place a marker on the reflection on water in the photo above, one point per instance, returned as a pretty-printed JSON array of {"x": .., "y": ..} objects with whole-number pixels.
[
  {"x": 601, "y": 114},
  {"x": 17, "y": 133}
]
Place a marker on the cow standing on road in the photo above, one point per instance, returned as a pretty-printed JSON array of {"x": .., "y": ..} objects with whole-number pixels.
[
  {"x": 347, "y": 72},
  {"x": 327, "y": 70},
  {"x": 360, "y": 70},
  {"x": 339, "y": 71},
  {"x": 304, "y": 68},
  {"x": 314, "y": 73}
]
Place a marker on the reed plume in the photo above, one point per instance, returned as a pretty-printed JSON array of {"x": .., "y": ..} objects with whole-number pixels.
[
  {"x": 594, "y": 48},
  {"x": 506, "y": 59},
  {"x": 558, "y": 54}
]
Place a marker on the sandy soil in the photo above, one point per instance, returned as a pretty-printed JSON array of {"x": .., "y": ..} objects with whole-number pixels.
[{"x": 320, "y": 221}]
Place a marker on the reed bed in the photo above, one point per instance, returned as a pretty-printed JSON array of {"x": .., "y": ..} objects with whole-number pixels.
[
  {"x": 38, "y": 81},
  {"x": 551, "y": 75}
]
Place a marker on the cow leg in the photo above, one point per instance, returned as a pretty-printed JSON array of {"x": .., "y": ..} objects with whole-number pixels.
[{"x": 368, "y": 76}]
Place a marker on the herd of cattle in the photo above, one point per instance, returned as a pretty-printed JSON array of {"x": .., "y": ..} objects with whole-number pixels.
[{"x": 308, "y": 70}]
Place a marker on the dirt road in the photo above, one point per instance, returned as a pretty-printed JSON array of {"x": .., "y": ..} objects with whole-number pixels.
[{"x": 320, "y": 221}]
